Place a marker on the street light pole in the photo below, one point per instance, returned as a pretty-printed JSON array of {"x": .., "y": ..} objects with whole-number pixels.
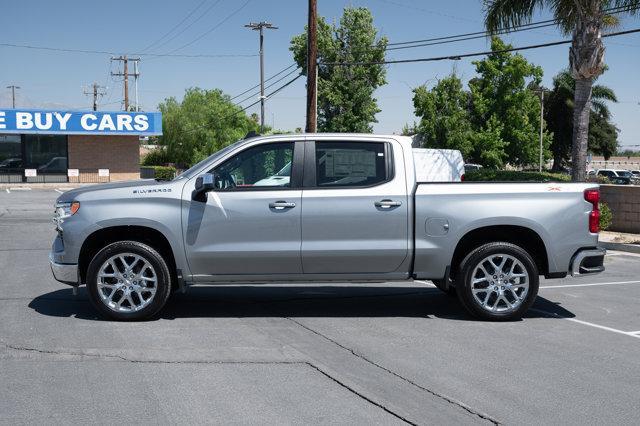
[{"x": 260, "y": 26}]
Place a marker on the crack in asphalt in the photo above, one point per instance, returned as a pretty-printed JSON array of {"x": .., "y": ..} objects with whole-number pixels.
[
  {"x": 450, "y": 400},
  {"x": 98, "y": 356},
  {"x": 120, "y": 358}
]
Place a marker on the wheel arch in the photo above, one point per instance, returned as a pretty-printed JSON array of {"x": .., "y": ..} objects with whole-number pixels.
[
  {"x": 103, "y": 237},
  {"x": 526, "y": 238}
]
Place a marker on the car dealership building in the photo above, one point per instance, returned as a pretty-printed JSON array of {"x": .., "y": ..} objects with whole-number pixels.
[{"x": 72, "y": 146}]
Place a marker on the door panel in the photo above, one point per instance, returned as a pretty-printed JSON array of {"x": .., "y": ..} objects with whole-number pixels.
[
  {"x": 251, "y": 224},
  {"x": 239, "y": 233},
  {"x": 349, "y": 230}
]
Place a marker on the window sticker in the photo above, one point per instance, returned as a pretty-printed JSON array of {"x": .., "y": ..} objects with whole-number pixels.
[{"x": 349, "y": 162}]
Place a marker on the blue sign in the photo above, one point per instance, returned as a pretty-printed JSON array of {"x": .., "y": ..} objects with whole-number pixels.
[{"x": 80, "y": 122}]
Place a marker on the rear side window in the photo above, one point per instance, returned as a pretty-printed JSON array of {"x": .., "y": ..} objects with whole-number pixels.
[{"x": 345, "y": 164}]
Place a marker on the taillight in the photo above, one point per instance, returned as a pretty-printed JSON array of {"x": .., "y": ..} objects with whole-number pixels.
[
  {"x": 593, "y": 196},
  {"x": 462, "y": 178}
]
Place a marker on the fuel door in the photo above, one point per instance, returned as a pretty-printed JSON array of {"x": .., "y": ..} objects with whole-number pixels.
[{"x": 437, "y": 226}]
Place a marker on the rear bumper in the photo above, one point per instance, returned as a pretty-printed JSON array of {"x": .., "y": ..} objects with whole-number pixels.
[
  {"x": 588, "y": 262},
  {"x": 65, "y": 273}
]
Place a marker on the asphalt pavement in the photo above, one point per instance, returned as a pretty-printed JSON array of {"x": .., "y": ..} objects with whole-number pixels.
[{"x": 300, "y": 354}]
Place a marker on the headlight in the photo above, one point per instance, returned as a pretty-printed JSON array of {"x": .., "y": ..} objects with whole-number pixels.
[{"x": 63, "y": 211}]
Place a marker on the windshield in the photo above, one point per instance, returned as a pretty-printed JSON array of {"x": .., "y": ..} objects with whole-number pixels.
[{"x": 189, "y": 173}]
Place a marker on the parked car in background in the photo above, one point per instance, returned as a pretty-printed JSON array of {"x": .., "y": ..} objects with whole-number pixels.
[
  {"x": 10, "y": 163},
  {"x": 55, "y": 165},
  {"x": 635, "y": 177},
  {"x": 617, "y": 177},
  {"x": 438, "y": 165}
]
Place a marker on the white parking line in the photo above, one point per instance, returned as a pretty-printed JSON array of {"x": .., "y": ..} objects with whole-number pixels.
[
  {"x": 58, "y": 191},
  {"x": 8, "y": 192},
  {"x": 20, "y": 189},
  {"x": 590, "y": 284},
  {"x": 590, "y": 324}
]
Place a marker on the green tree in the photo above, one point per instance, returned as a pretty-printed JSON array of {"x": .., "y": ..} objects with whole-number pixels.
[
  {"x": 584, "y": 19},
  {"x": 203, "y": 123},
  {"x": 345, "y": 93},
  {"x": 603, "y": 135},
  {"x": 501, "y": 99},
  {"x": 444, "y": 115}
]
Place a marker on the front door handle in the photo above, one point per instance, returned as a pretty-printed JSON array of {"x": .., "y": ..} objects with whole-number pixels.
[
  {"x": 281, "y": 205},
  {"x": 387, "y": 204}
]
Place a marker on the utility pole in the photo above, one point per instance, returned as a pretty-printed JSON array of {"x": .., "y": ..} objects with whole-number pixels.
[
  {"x": 312, "y": 68},
  {"x": 260, "y": 26},
  {"x": 96, "y": 90},
  {"x": 125, "y": 60},
  {"x": 13, "y": 88}
]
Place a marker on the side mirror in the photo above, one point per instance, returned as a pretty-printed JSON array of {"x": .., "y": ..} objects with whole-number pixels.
[{"x": 204, "y": 184}]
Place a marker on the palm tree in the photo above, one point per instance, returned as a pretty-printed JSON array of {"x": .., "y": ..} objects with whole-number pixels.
[
  {"x": 559, "y": 105},
  {"x": 584, "y": 19}
]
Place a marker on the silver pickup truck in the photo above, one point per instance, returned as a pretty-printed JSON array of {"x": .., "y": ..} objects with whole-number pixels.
[{"x": 319, "y": 208}]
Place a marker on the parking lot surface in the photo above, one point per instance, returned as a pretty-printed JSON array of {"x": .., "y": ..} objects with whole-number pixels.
[{"x": 327, "y": 353}]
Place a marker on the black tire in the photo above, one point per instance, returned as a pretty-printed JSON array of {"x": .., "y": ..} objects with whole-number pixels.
[
  {"x": 464, "y": 282},
  {"x": 150, "y": 255},
  {"x": 449, "y": 290}
]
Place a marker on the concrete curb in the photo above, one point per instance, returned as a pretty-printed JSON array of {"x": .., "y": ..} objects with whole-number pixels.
[{"x": 629, "y": 248}]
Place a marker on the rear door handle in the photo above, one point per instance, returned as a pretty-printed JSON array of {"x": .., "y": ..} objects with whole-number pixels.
[
  {"x": 387, "y": 204},
  {"x": 281, "y": 205}
]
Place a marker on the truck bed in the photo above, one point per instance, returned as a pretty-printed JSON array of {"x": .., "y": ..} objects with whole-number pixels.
[{"x": 446, "y": 212}]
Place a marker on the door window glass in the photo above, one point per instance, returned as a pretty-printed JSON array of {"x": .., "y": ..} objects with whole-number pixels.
[
  {"x": 263, "y": 166},
  {"x": 340, "y": 164}
]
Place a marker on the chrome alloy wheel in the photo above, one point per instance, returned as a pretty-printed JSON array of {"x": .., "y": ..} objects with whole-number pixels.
[
  {"x": 127, "y": 282},
  {"x": 500, "y": 283}
]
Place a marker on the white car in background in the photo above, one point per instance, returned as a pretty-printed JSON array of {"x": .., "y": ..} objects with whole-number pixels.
[{"x": 438, "y": 165}]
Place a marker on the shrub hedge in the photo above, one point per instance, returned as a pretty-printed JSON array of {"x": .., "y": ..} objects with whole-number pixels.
[
  {"x": 164, "y": 172},
  {"x": 489, "y": 175}
]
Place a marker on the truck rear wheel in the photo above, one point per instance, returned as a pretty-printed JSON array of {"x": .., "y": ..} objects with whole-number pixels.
[
  {"x": 497, "y": 281},
  {"x": 128, "y": 280}
]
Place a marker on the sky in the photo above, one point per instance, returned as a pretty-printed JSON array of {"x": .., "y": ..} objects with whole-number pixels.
[{"x": 56, "y": 80}]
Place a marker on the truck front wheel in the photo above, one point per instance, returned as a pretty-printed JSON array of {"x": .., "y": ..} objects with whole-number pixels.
[
  {"x": 497, "y": 281},
  {"x": 128, "y": 280}
]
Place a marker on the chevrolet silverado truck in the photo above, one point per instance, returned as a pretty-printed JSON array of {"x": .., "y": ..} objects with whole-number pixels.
[{"x": 319, "y": 208}]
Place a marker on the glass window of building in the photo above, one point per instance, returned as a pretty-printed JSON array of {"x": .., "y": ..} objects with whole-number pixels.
[
  {"x": 47, "y": 153},
  {"x": 10, "y": 154}
]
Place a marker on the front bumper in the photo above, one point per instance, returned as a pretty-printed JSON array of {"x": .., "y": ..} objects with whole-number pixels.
[
  {"x": 588, "y": 262},
  {"x": 65, "y": 273}
]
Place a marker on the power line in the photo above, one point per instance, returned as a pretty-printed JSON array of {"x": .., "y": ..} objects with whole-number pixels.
[
  {"x": 202, "y": 15},
  {"x": 485, "y": 33},
  {"x": 251, "y": 105},
  {"x": 451, "y": 39},
  {"x": 468, "y": 55},
  {"x": 550, "y": 21},
  {"x": 268, "y": 86},
  {"x": 175, "y": 26},
  {"x": 113, "y": 53},
  {"x": 268, "y": 79},
  {"x": 215, "y": 27}
]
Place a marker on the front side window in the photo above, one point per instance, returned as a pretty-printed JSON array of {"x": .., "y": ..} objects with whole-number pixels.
[
  {"x": 263, "y": 166},
  {"x": 344, "y": 164}
]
